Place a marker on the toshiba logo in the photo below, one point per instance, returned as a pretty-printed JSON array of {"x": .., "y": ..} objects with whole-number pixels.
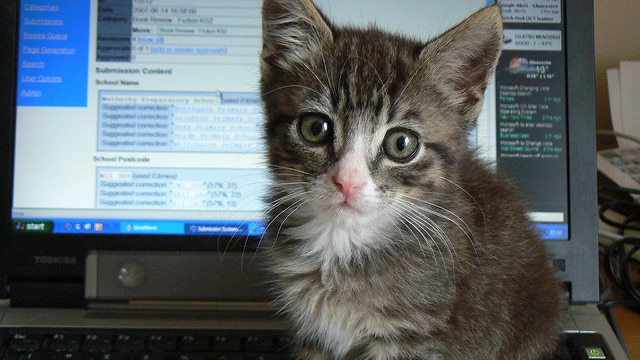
[{"x": 55, "y": 260}]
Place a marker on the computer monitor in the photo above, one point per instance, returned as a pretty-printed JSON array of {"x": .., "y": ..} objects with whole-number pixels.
[{"x": 133, "y": 129}]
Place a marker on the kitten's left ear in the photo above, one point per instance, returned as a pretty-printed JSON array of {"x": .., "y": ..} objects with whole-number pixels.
[
  {"x": 460, "y": 62},
  {"x": 291, "y": 30}
]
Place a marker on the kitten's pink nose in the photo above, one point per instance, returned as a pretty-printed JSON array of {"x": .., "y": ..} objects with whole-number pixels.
[{"x": 347, "y": 186}]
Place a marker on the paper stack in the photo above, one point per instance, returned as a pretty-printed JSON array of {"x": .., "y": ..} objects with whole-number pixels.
[{"x": 622, "y": 165}]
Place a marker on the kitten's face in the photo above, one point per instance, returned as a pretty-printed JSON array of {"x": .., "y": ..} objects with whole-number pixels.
[
  {"x": 364, "y": 127},
  {"x": 353, "y": 144}
]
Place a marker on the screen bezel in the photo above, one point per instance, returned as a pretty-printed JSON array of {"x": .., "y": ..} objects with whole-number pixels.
[{"x": 580, "y": 253}]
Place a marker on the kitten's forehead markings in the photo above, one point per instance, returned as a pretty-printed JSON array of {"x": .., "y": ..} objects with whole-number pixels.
[
  {"x": 363, "y": 138},
  {"x": 354, "y": 162}
]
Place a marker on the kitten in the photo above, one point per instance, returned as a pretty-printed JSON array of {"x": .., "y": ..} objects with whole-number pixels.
[{"x": 387, "y": 238}]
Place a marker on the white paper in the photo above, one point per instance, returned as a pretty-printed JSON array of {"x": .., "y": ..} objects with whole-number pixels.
[
  {"x": 630, "y": 96},
  {"x": 615, "y": 104}
]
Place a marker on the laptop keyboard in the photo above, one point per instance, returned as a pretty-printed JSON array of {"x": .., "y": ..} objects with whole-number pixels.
[{"x": 117, "y": 344}]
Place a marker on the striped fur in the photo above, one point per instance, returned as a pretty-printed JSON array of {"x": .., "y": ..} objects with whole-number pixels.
[{"x": 380, "y": 249}]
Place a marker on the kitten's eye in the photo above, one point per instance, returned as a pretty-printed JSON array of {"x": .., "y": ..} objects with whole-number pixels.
[
  {"x": 314, "y": 128},
  {"x": 401, "y": 145}
]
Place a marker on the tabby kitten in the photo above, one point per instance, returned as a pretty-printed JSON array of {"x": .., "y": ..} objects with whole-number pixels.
[{"x": 386, "y": 237}]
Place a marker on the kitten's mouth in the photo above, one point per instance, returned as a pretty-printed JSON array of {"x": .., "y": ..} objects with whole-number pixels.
[
  {"x": 345, "y": 205},
  {"x": 349, "y": 206}
]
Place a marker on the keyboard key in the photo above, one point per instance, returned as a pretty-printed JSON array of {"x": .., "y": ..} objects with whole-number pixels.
[
  {"x": 25, "y": 343},
  {"x": 194, "y": 356},
  {"x": 262, "y": 357},
  {"x": 150, "y": 356},
  {"x": 190, "y": 343},
  {"x": 114, "y": 356},
  {"x": 65, "y": 343},
  {"x": 38, "y": 356},
  {"x": 283, "y": 343},
  {"x": 156, "y": 343},
  {"x": 97, "y": 343},
  {"x": 129, "y": 343},
  {"x": 224, "y": 343},
  {"x": 74, "y": 356},
  {"x": 259, "y": 344},
  {"x": 219, "y": 356}
]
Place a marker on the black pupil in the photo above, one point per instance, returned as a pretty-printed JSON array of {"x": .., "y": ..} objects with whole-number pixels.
[
  {"x": 318, "y": 127},
  {"x": 402, "y": 143}
]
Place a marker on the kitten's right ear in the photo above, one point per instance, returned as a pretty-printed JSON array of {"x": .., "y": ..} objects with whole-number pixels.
[{"x": 291, "y": 31}]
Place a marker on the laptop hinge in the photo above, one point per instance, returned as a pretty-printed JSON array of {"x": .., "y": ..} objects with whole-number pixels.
[{"x": 68, "y": 293}]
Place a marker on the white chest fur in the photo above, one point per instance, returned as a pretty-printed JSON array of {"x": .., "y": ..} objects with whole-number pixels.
[{"x": 337, "y": 312}]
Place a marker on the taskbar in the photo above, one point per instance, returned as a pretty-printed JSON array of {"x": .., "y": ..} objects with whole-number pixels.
[
  {"x": 130, "y": 227},
  {"x": 553, "y": 231},
  {"x": 547, "y": 231}
]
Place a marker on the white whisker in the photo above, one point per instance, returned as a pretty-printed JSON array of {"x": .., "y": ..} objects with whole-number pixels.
[
  {"x": 446, "y": 214},
  {"x": 317, "y": 78},
  {"x": 295, "y": 86},
  {"x": 332, "y": 89},
  {"x": 425, "y": 225},
  {"x": 297, "y": 199},
  {"x": 409, "y": 225},
  {"x": 484, "y": 218},
  {"x": 290, "y": 171}
]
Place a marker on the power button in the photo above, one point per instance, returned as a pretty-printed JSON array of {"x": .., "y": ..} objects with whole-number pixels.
[{"x": 595, "y": 353}]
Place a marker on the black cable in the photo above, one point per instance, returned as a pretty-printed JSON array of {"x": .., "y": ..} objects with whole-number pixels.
[
  {"x": 616, "y": 264},
  {"x": 611, "y": 264},
  {"x": 609, "y": 199},
  {"x": 618, "y": 256},
  {"x": 629, "y": 285}
]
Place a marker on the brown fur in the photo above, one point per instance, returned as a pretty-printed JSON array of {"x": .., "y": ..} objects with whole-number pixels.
[{"x": 438, "y": 260}]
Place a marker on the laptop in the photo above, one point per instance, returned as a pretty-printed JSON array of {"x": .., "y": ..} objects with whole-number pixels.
[{"x": 134, "y": 167}]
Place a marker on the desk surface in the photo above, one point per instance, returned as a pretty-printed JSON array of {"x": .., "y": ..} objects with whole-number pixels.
[{"x": 629, "y": 322}]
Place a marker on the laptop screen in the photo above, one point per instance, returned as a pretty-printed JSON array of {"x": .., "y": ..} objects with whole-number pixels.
[
  {"x": 137, "y": 124},
  {"x": 144, "y": 117}
]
